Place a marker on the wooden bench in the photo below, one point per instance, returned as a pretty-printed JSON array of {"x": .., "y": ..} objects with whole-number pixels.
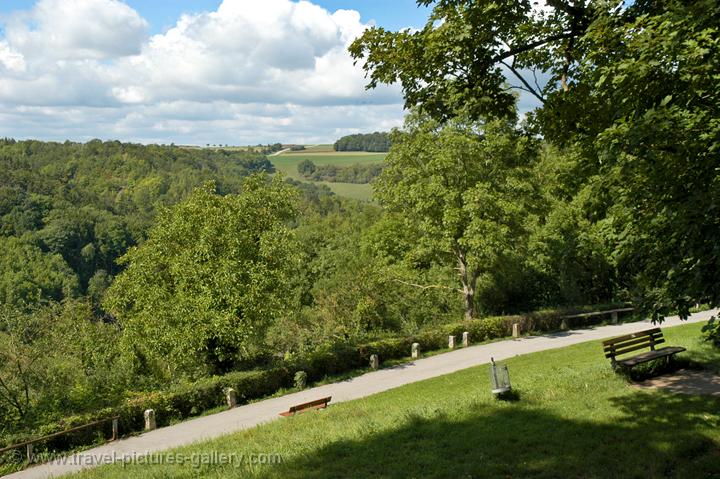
[
  {"x": 634, "y": 342},
  {"x": 316, "y": 404}
]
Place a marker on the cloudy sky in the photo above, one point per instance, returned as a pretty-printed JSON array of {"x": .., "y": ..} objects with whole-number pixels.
[{"x": 192, "y": 71}]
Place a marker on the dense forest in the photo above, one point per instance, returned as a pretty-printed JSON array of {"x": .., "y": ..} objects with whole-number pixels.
[
  {"x": 372, "y": 142},
  {"x": 129, "y": 268},
  {"x": 356, "y": 173}
]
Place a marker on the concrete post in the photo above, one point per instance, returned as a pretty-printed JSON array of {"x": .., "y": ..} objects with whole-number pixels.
[
  {"x": 114, "y": 429},
  {"x": 451, "y": 342},
  {"x": 564, "y": 325},
  {"x": 231, "y": 397},
  {"x": 614, "y": 317},
  {"x": 466, "y": 339},
  {"x": 516, "y": 330},
  {"x": 30, "y": 455},
  {"x": 374, "y": 361},
  {"x": 150, "y": 423},
  {"x": 415, "y": 350}
]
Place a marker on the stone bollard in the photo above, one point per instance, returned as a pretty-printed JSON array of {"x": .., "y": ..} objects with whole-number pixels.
[
  {"x": 231, "y": 397},
  {"x": 466, "y": 339},
  {"x": 374, "y": 361},
  {"x": 614, "y": 317},
  {"x": 516, "y": 330},
  {"x": 115, "y": 429},
  {"x": 415, "y": 350},
  {"x": 564, "y": 325},
  {"x": 451, "y": 342},
  {"x": 30, "y": 454},
  {"x": 150, "y": 423}
]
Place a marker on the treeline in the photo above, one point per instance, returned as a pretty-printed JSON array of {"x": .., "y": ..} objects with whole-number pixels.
[
  {"x": 371, "y": 142},
  {"x": 355, "y": 173}
]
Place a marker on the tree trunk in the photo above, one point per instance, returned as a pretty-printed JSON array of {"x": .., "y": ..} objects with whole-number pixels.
[{"x": 468, "y": 279}]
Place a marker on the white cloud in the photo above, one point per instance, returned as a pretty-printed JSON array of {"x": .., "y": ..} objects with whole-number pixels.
[
  {"x": 248, "y": 72},
  {"x": 77, "y": 29}
]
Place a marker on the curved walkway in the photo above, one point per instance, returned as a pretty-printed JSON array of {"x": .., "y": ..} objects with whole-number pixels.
[{"x": 250, "y": 415}]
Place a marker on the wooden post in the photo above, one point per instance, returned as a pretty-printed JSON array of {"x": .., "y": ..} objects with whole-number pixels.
[
  {"x": 374, "y": 361},
  {"x": 150, "y": 423},
  {"x": 466, "y": 339},
  {"x": 614, "y": 317},
  {"x": 451, "y": 342},
  {"x": 114, "y": 429},
  {"x": 30, "y": 455},
  {"x": 415, "y": 350},
  {"x": 231, "y": 397},
  {"x": 516, "y": 330}
]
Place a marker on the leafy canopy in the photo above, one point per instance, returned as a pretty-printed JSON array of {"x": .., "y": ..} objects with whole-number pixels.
[{"x": 211, "y": 276}]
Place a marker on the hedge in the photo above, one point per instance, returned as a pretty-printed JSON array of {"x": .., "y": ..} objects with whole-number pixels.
[{"x": 190, "y": 399}]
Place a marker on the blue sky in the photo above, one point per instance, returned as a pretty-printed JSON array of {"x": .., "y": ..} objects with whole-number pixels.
[
  {"x": 231, "y": 72},
  {"x": 161, "y": 14}
]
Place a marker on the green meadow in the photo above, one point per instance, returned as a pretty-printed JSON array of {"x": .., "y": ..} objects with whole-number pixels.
[{"x": 287, "y": 162}]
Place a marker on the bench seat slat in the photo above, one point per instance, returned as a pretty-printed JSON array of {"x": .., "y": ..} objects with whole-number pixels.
[
  {"x": 650, "y": 355},
  {"x": 644, "y": 339},
  {"x": 628, "y": 337},
  {"x": 636, "y": 347}
]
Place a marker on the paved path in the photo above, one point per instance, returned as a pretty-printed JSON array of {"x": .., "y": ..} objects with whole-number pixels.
[{"x": 250, "y": 415}]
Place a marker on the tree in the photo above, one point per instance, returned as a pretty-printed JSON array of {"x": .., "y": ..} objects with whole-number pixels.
[
  {"x": 306, "y": 168},
  {"x": 202, "y": 290},
  {"x": 464, "y": 187},
  {"x": 633, "y": 87},
  {"x": 457, "y": 62}
]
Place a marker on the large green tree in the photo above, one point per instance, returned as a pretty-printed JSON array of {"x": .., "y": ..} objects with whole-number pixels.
[
  {"x": 213, "y": 274},
  {"x": 633, "y": 87},
  {"x": 464, "y": 187}
]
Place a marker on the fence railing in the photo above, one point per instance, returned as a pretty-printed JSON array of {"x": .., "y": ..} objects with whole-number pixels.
[{"x": 29, "y": 445}]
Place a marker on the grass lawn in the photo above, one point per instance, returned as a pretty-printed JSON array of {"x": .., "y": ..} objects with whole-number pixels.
[
  {"x": 287, "y": 162},
  {"x": 574, "y": 418}
]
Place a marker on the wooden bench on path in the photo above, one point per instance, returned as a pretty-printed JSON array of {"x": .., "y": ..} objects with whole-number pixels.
[
  {"x": 316, "y": 404},
  {"x": 634, "y": 342}
]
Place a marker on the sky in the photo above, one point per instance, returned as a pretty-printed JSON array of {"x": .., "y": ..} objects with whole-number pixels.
[{"x": 234, "y": 72}]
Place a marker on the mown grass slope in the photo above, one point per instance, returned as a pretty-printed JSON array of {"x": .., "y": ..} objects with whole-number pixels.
[
  {"x": 287, "y": 162},
  {"x": 575, "y": 418}
]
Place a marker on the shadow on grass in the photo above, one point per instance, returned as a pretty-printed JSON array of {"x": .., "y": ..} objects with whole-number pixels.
[{"x": 656, "y": 435}]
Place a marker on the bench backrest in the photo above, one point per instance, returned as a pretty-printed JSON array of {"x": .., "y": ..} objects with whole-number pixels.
[
  {"x": 311, "y": 404},
  {"x": 632, "y": 342}
]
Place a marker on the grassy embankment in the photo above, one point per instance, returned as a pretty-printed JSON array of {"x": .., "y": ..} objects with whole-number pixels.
[
  {"x": 287, "y": 162},
  {"x": 574, "y": 418}
]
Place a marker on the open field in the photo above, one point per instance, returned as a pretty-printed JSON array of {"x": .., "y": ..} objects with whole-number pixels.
[
  {"x": 574, "y": 418},
  {"x": 287, "y": 162}
]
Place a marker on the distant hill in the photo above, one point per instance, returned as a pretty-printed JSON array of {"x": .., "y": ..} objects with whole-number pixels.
[{"x": 375, "y": 142}]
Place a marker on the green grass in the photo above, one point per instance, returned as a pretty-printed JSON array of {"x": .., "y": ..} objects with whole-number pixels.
[
  {"x": 287, "y": 162},
  {"x": 574, "y": 418}
]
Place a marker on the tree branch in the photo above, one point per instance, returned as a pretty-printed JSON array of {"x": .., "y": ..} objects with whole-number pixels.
[
  {"x": 527, "y": 88},
  {"x": 531, "y": 46}
]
